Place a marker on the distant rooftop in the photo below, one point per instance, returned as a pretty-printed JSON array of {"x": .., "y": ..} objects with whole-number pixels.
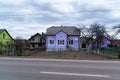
[{"x": 37, "y": 34}]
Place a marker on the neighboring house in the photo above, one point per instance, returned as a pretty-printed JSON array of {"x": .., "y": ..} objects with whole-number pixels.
[
  {"x": 116, "y": 42},
  {"x": 37, "y": 41},
  {"x": 6, "y": 41},
  {"x": 103, "y": 43},
  {"x": 62, "y": 38}
]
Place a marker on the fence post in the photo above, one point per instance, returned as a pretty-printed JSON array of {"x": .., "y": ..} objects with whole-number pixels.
[{"x": 118, "y": 51}]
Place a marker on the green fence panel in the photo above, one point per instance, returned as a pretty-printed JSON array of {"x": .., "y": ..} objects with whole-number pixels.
[{"x": 109, "y": 52}]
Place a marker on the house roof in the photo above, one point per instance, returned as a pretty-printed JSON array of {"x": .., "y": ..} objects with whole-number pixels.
[
  {"x": 69, "y": 30},
  {"x": 38, "y": 35}
]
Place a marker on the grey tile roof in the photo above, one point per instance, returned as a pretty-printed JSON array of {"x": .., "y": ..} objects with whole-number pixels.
[{"x": 69, "y": 30}]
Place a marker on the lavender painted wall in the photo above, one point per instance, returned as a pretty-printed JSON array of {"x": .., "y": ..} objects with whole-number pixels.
[
  {"x": 50, "y": 47},
  {"x": 62, "y": 36},
  {"x": 76, "y": 42}
]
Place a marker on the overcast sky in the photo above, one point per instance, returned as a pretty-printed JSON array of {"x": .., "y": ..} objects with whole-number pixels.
[{"x": 27, "y": 17}]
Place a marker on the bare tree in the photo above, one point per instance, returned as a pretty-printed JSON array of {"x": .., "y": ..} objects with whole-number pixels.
[
  {"x": 85, "y": 37},
  {"x": 85, "y": 33},
  {"x": 20, "y": 45},
  {"x": 97, "y": 33},
  {"x": 118, "y": 29}
]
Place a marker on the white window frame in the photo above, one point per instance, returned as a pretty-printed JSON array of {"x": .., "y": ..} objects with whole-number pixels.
[
  {"x": 53, "y": 42},
  {"x": 71, "y": 43},
  {"x": 61, "y": 42}
]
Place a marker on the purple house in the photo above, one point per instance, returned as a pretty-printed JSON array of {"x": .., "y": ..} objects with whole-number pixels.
[
  {"x": 104, "y": 43},
  {"x": 62, "y": 38}
]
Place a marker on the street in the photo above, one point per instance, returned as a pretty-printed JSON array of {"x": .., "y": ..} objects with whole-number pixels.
[{"x": 58, "y": 69}]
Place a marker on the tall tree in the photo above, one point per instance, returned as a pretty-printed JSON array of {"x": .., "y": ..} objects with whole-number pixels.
[{"x": 97, "y": 33}]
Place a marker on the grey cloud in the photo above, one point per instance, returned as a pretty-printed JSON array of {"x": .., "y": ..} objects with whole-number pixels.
[
  {"x": 45, "y": 13},
  {"x": 93, "y": 12},
  {"x": 42, "y": 7}
]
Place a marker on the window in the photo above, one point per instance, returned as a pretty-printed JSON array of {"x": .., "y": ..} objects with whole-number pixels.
[
  {"x": 83, "y": 45},
  {"x": 33, "y": 45},
  {"x": 39, "y": 45},
  {"x": 7, "y": 42},
  {"x": 51, "y": 42},
  {"x": 71, "y": 42},
  {"x": 3, "y": 35},
  {"x": 40, "y": 40},
  {"x": 60, "y": 42}
]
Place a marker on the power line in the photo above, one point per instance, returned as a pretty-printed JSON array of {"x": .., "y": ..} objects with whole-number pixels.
[{"x": 50, "y": 12}]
